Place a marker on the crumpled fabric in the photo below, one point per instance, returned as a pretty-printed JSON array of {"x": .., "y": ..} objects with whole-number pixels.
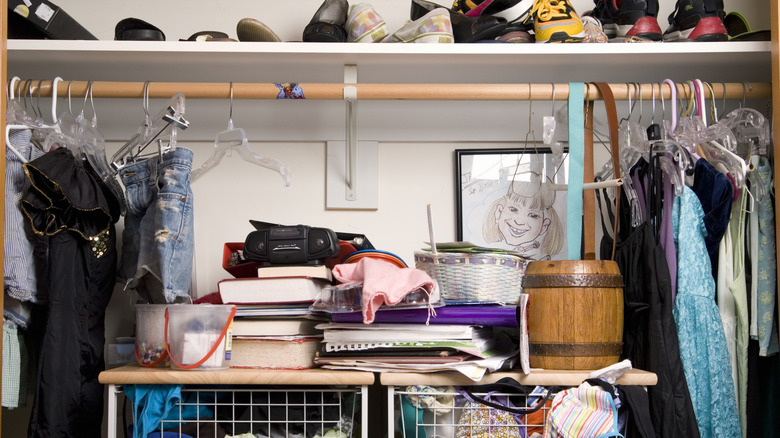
[
  {"x": 151, "y": 404},
  {"x": 383, "y": 283}
]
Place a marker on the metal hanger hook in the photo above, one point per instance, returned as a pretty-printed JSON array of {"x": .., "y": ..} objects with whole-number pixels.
[
  {"x": 92, "y": 102},
  {"x": 230, "y": 113},
  {"x": 641, "y": 102},
  {"x": 553, "y": 100},
  {"x": 70, "y": 108},
  {"x": 746, "y": 85},
  {"x": 713, "y": 107},
  {"x": 145, "y": 99},
  {"x": 38, "y": 111},
  {"x": 652, "y": 99}
]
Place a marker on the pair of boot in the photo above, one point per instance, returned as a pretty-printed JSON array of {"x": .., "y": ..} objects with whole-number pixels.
[{"x": 692, "y": 20}]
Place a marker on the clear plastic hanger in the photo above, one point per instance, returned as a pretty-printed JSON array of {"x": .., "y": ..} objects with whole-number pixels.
[
  {"x": 163, "y": 125},
  {"x": 81, "y": 136},
  {"x": 20, "y": 118},
  {"x": 235, "y": 139}
]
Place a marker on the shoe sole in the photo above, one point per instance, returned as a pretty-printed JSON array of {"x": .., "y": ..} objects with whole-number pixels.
[
  {"x": 645, "y": 27},
  {"x": 249, "y": 29},
  {"x": 563, "y": 37},
  {"x": 708, "y": 29}
]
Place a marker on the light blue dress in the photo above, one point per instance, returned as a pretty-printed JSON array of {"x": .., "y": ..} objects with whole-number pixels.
[{"x": 703, "y": 350}]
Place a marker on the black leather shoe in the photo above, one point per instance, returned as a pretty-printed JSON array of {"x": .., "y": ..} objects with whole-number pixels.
[
  {"x": 464, "y": 29},
  {"x": 328, "y": 23}
]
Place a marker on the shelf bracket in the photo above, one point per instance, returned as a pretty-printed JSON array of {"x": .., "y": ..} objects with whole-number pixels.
[
  {"x": 351, "y": 160},
  {"x": 350, "y": 96}
]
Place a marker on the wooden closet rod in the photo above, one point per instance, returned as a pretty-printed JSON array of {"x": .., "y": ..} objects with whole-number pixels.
[{"x": 369, "y": 91}]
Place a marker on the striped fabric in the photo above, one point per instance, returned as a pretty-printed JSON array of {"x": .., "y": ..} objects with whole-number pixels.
[{"x": 583, "y": 412}]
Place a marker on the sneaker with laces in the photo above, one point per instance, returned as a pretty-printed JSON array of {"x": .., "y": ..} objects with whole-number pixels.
[
  {"x": 628, "y": 18},
  {"x": 555, "y": 21},
  {"x": 696, "y": 20}
]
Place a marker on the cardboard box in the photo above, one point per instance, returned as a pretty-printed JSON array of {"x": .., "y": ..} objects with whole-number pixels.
[{"x": 29, "y": 19}]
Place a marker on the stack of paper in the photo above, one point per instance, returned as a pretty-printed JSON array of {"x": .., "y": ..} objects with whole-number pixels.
[{"x": 471, "y": 350}]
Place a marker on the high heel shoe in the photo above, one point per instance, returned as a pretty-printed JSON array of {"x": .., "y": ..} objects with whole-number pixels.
[
  {"x": 465, "y": 29},
  {"x": 327, "y": 24}
]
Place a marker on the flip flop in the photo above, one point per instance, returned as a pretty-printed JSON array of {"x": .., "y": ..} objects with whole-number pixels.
[
  {"x": 739, "y": 29},
  {"x": 208, "y": 35}
]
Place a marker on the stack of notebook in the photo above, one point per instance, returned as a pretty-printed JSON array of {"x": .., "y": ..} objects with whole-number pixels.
[{"x": 468, "y": 339}]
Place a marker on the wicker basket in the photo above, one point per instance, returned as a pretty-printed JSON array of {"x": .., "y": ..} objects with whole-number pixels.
[{"x": 474, "y": 276}]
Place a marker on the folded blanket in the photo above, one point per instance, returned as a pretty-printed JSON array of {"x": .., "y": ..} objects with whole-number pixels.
[{"x": 383, "y": 283}]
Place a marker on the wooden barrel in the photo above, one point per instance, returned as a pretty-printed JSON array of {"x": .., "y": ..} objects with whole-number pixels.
[{"x": 575, "y": 313}]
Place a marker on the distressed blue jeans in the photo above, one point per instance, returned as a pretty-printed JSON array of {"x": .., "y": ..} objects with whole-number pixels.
[{"x": 158, "y": 242}]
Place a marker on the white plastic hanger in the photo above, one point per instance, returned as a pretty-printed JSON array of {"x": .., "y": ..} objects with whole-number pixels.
[
  {"x": 235, "y": 139},
  {"x": 22, "y": 119}
]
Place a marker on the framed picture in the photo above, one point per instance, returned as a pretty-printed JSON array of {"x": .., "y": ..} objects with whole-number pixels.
[{"x": 513, "y": 199}]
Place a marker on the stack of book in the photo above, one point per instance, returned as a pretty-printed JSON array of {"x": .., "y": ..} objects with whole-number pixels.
[{"x": 274, "y": 327}]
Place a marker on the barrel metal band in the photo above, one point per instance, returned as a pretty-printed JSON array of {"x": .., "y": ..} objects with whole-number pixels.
[
  {"x": 590, "y": 349},
  {"x": 573, "y": 280}
]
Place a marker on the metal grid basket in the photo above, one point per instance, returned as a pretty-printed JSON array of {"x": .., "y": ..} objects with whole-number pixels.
[
  {"x": 211, "y": 412},
  {"x": 419, "y": 412},
  {"x": 474, "y": 276}
]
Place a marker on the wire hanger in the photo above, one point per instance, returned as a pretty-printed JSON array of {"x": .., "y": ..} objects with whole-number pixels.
[{"x": 235, "y": 138}]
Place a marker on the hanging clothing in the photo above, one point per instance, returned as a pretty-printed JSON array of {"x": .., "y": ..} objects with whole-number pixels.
[
  {"x": 726, "y": 305},
  {"x": 715, "y": 191},
  {"x": 158, "y": 238},
  {"x": 22, "y": 262},
  {"x": 649, "y": 331},
  {"x": 68, "y": 203},
  {"x": 738, "y": 288},
  {"x": 699, "y": 327},
  {"x": 666, "y": 237},
  {"x": 764, "y": 278}
]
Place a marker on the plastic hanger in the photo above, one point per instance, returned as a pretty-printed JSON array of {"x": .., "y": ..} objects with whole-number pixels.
[
  {"x": 235, "y": 139},
  {"x": 81, "y": 136},
  {"x": 162, "y": 125},
  {"x": 22, "y": 119}
]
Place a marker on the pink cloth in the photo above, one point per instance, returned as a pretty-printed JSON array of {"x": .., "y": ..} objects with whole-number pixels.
[{"x": 383, "y": 283}]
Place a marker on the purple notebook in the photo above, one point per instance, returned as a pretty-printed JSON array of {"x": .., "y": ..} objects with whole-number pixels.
[{"x": 495, "y": 316}]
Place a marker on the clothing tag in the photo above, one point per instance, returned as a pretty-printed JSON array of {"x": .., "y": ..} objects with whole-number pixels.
[
  {"x": 28, "y": 3},
  {"x": 576, "y": 170},
  {"x": 44, "y": 12}
]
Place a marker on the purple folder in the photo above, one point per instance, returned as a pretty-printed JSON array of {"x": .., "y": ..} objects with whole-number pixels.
[{"x": 495, "y": 316}]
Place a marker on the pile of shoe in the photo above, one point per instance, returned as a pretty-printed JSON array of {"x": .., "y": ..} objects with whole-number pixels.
[
  {"x": 515, "y": 21},
  {"x": 467, "y": 21},
  {"x": 691, "y": 20}
]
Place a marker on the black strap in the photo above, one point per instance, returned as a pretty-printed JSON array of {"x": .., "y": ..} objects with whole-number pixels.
[{"x": 509, "y": 386}]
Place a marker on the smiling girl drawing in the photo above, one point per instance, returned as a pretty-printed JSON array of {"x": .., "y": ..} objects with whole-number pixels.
[{"x": 525, "y": 220}]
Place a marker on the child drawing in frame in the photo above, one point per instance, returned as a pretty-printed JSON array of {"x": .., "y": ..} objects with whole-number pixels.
[{"x": 526, "y": 220}]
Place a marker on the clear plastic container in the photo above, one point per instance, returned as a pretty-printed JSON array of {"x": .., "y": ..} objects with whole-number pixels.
[
  {"x": 150, "y": 335},
  {"x": 348, "y": 297},
  {"x": 199, "y": 336}
]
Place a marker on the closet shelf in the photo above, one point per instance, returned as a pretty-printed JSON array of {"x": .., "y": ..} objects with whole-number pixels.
[{"x": 399, "y": 63}]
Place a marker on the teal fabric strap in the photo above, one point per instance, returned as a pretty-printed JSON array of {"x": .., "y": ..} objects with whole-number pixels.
[{"x": 576, "y": 172}]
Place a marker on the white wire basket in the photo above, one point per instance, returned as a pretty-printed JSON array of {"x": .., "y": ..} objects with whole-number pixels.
[
  {"x": 444, "y": 412},
  {"x": 299, "y": 412}
]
